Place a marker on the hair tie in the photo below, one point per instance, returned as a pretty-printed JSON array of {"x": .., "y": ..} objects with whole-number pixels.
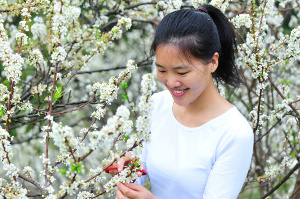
[{"x": 203, "y": 9}]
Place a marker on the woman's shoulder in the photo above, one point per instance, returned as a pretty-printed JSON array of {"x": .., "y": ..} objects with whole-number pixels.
[{"x": 237, "y": 125}]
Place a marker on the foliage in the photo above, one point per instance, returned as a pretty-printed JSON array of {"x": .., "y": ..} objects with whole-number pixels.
[{"x": 61, "y": 124}]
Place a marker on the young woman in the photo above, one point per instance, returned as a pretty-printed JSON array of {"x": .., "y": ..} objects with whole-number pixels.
[{"x": 201, "y": 145}]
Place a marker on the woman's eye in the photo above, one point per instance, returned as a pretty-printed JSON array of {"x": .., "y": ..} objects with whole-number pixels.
[
  {"x": 161, "y": 71},
  {"x": 182, "y": 73}
]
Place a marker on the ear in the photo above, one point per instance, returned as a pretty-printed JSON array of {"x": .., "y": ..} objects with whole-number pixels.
[{"x": 214, "y": 62}]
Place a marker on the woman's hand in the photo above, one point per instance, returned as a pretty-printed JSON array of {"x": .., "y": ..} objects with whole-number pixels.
[
  {"x": 121, "y": 163},
  {"x": 133, "y": 191}
]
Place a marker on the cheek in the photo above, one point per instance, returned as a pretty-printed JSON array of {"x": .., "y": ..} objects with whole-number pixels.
[{"x": 160, "y": 78}]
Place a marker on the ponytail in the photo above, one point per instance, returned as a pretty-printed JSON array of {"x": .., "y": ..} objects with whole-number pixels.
[
  {"x": 200, "y": 34},
  {"x": 227, "y": 70}
]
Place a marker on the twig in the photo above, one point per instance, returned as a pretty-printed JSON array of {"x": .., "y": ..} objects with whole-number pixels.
[
  {"x": 32, "y": 182},
  {"x": 295, "y": 168},
  {"x": 278, "y": 121}
]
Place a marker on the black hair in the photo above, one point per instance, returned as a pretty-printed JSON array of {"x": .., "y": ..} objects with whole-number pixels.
[{"x": 201, "y": 34}]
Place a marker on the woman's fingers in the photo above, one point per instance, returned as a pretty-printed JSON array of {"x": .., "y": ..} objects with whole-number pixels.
[
  {"x": 130, "y": 192},
  {"x": 122, "y": 162},
  {"x": 120, "y": 195},
  {"x": 113, "y": 172}
]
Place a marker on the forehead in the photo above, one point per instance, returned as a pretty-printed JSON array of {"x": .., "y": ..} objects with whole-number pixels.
[{"x": 171, "y": 56}]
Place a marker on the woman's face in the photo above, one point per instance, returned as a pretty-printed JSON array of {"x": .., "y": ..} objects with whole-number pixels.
[{"x": 186, "y": 79}]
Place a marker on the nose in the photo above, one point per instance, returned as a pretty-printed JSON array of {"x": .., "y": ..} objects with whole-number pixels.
[{"x": 172, "y": 82}]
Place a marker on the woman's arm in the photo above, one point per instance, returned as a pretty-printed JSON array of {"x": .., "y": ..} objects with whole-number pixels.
[{"x": 231, "y": 167}]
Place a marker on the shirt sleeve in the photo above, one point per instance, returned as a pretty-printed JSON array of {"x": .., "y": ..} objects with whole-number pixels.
[{"x": 231, "y": 166}]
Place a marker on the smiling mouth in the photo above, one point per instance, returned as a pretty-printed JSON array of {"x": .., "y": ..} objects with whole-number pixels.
[{"x": 179, "y": 93}]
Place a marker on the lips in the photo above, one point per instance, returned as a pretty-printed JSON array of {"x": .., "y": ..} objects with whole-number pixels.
[{"x": 178, "y": 92}]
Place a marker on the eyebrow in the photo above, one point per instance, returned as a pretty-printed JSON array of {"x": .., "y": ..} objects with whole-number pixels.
[{"x": 174, "y": 68}]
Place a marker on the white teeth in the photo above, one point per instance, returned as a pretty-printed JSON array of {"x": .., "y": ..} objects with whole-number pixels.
[{"x": 178, "y": 91}]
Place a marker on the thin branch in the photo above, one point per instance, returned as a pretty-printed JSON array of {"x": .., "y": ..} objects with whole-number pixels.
[
  {"x": 32, "y": 182},
  {"x": 295, "y": 168},
  {"x": 282, "y": 96},
  {"x": 278, "y": 121}
]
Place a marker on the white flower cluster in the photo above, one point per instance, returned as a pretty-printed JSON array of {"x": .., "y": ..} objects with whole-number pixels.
[
  {"x": 61, "y": 22},
  {"x": 71, "y": 12},
  {"x": 115, "y": 33},
  {"x": 241, "y": 20},
  {"x": 39, "y": 89},
  {"x": 117, "y": 125},
  {"x": 9, "y": 190},
  {"x": 221, "y": 4},
  {"x": 13, "y": 69},
  {"x": 169, "y": 6},
  {"x": 28, "y": 170},
  {"x": 270, "y": 15},
  {"x": 99, "y": 113},
  {"x": 3, "y": 3},
  {"x": 142, "y": 125},
  {"x": 84, "y": 195},
  {"x": 285, "y": 163},
  {"x": 100, "y": 21},
  {"x": 58, "y": 55},
  {"x": 284, "y": 3},
  {"x": 22, "y": 37},
  {"x": 125, "y": 21},
  {"x": 25, "y": 12},
  {"x": 24, "y": 25},
  {"x": 108, "y": 91},
  {"x": 293, "y": 48},
  {"x": 12, "y": 62},
  {"x": 3, "y": 94},
  {"x": 197, "y": 3},
  {"x": 63, "y": 137},
  {"x": 25, "y": 106},
  {"x": 6, "y": 154},
  {"x": 126, "y": 176},
  {"x": 38, "y": 29},
  {"x": 125, "y": 74},
  {"x": 35, "y": 58},
  {"x": 273, "y": 171}
]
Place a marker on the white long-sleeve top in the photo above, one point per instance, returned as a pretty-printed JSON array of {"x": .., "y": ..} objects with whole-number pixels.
[{"x": 210, "y": 161}]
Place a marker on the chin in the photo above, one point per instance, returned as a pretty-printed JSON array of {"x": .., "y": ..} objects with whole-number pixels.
[{"x": 180, "y": 103}]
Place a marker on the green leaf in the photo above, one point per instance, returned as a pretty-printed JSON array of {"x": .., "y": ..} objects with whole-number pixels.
[
  {"x": 125, "y": 96},
  {"x": 63, "y": 171},
  {"x": 126, "y": 137},
  {"x": 136, "y": 164},
  {"x": 293, "y": 155},
  {"x": 58, "y": 93},
  {"x": 124, "y": 85},
  {"x": 78, "y": 170},
  {"x": 79, "y": 164},
  {"x": 288, "y": 81},
  {"x": 73, "y": 168},
  {"x": 2, "y": 112},
  {"x": 6, "y": 83}
]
